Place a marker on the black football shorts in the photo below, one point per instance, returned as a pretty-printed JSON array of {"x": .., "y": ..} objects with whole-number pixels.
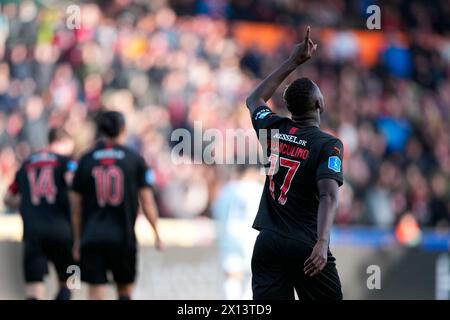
[
  {"x": 277, "y": 269},
  {"x": 38, "y": 253},
  {"x": 97, "y": 259}
]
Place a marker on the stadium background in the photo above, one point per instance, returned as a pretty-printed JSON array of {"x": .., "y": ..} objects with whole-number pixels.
[{"x": 168, "y": 63}]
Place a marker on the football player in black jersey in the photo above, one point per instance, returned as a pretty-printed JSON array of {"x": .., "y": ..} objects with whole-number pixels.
[
  {"x": 108, "y": 185},
  {"x": 300, "y": 196},
  {"x": 40, "y": 192}
]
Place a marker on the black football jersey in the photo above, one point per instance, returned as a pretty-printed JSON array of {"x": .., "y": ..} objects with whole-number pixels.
[
  {"x": 42, "y": 184},
  {"x": 297, "y": 158},
  {"x": 108, "y": 179}
]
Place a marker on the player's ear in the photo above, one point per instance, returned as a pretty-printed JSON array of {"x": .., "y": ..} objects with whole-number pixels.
[{"x": 319, "y": 105}]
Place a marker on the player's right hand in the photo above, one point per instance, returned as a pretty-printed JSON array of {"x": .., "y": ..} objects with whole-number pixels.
[
  {"x": 304, "y": 50},
  {"x": 317, "y": 260}
]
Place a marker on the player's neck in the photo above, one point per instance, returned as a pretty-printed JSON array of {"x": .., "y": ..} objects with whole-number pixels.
[
  {"x": 306, "y": 121},
  {"x": 111, "y": 142}
]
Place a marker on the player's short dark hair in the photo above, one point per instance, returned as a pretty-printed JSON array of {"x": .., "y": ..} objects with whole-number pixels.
[
  {"x": 57, "y": 134},
  {"x": 301, "y": 96},
  {"x": 110, "y": 123}
]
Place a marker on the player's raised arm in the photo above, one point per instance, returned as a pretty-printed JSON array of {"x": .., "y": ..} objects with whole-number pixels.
[{"x": 302, "y": 52}]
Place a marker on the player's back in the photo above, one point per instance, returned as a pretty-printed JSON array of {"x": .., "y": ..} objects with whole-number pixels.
[
  {"x": 298, "y": 158},
  {"x": 108, "y": 179},
  {"x": 42, "y": 184}
]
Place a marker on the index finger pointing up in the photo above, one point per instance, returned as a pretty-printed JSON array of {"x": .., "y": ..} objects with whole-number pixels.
[{"x": 308, "y": 31}]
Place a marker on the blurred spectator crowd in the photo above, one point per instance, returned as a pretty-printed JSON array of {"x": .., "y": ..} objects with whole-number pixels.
[
  {"x": 403, "y": 15},
  {"x": 166, "y": 66}
]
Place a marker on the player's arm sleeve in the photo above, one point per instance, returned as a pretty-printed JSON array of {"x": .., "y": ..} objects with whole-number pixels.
[
  {"x": 264, "y": 118},
  {"x": 146, "y": 175},
  {"x": 331, "y": 162}
]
